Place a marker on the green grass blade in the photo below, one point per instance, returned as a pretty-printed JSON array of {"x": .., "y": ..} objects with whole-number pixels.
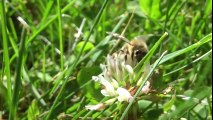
[
  {"x": 141, "y": 86},
  {"x": 47, "y": 11},
  {"x": 46, "y": 24},
  {"x": 194, "y": 61},
  {"x": 148, "y": 57},
  {"x": 70, "y": 70},
  {"x": 33, "y": 88},
  {"x": 104, "y": 41},
  {"x": 12, "y": 27},
  {"x": 6, "y": 52},
  {"x": 17, "y": 85},
  {"x": 60, "y": 34},
  {"x": 44, "y": 82},
  {"x": 204, "y": 40}
]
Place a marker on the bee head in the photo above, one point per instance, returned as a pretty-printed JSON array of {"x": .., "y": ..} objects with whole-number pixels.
[{"x": 140, "y": 48}]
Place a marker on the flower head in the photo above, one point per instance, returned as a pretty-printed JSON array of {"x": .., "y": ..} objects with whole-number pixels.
[{"x": 117, "y": 79}]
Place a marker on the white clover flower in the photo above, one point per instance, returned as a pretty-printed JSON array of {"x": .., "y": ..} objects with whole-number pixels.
[
  {"x": 111, "y": 85},
  {"x": 117, "y": 78},
  {"x": 124, "y": 95}
]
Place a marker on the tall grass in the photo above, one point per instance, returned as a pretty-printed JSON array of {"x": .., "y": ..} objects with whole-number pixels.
[{"x": 51, "y": 50}]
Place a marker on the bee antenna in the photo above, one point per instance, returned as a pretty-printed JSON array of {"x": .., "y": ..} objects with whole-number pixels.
[{"x": 119, "y": 37}]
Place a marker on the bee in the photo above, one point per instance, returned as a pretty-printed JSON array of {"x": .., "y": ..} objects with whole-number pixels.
[{"x": 132, "y": 51}]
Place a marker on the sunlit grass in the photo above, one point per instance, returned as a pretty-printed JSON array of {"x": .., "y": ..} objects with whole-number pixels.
[{"x": 51, "y": 50}]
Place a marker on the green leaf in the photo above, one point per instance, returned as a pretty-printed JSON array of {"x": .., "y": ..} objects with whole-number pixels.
[
  {"x": 198, "y": 94},
  {"x": 167, "y": 106},
  {"x": 33, "y": 111},
  {"x": 92, "y": 90},
  {"x": 89, "y": 46},
  {"x": 143, "y": 104},
  {"x": 153, "y": 114},
  {"x": 151, "y": 8},
  {"x": 73, "y": 108}
]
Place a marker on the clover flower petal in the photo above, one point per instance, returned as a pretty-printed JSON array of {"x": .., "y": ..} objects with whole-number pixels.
[
  {"x": 95, "y": 78},
  {"x": 108, "y": 92},
  {"x": 95, "y": 107},
  {"x": 100, "y": 106},
  {"x": 124, "y": 95},
  {"x": 129, "y": 69},
  {"x": 146, "y": 88}
]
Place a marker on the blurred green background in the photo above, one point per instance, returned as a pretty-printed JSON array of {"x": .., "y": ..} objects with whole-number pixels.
[{"x": 45, "y": 74}]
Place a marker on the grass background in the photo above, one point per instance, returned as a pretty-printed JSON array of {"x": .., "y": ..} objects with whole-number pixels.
[{"x": 50, "y": 49}]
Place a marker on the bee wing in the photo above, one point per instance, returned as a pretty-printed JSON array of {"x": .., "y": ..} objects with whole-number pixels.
[
  {"x": 147, "y": 68},
  {"x": 144, "y": 37}
]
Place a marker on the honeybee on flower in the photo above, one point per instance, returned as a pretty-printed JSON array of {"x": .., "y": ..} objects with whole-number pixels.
[{"x": 118, "y": 76}]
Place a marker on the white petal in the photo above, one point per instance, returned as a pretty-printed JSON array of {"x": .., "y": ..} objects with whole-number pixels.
[
  {"x": 95, "y": 78},
  {"x": 124, "y": 95},
  {"x": 109, "y": 88},
  {"x": 108, "y": 92},
  {"x": 105, "y": 92},
  {"x": 129, "y": 69},
  {"x": 114, "y": 83},
  {"x": 110, "y": 61},
  {"x": 110, "y": 101},
  {"x": 146, "y": 88},
  {"x": 105, "y": 83},
  {"x": 95, "y": 107},
  {"x": 103, "y": 67},
  {"x": 117, "y": 70}
]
